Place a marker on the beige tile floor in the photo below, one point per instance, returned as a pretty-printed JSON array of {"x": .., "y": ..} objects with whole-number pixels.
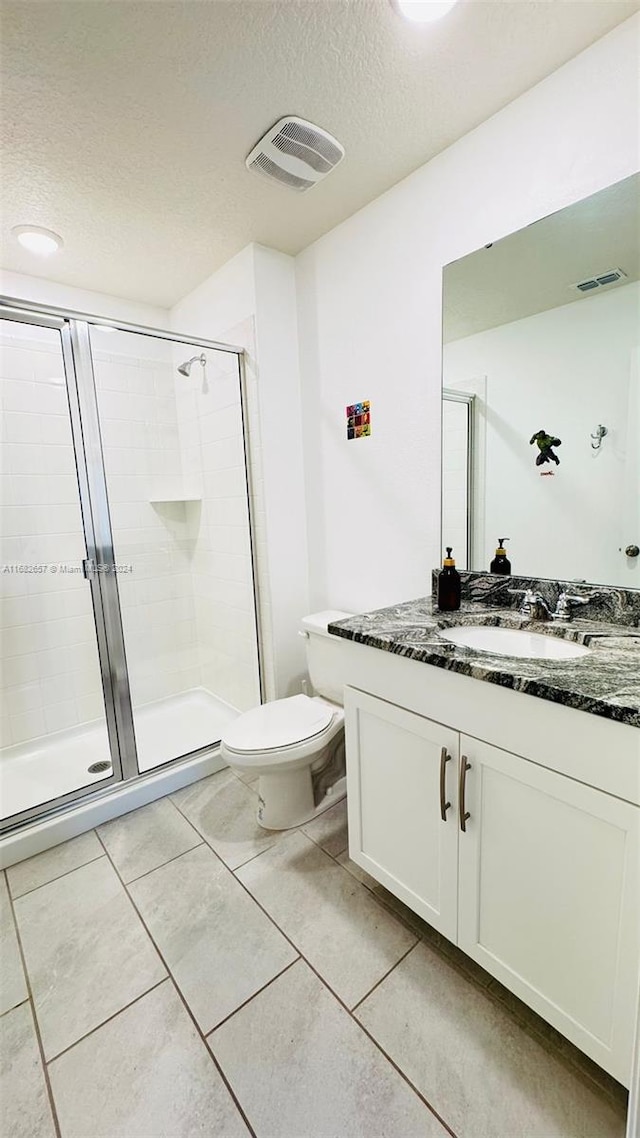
[{"x": 180, "y": 972}]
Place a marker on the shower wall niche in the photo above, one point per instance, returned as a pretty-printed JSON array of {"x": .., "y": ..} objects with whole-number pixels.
[{"x": 167, "y": 481}]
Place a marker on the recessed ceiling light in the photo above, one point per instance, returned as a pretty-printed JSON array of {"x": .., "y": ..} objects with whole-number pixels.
[
  {"x": 44, "y": 242},
  {"x": 424, "y": 11}
]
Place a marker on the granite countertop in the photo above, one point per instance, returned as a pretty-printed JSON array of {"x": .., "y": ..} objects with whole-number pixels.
[{"x": 606, "y": 682}]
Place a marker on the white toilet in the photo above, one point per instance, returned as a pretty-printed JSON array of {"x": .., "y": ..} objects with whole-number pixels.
[{"x": 296, "y": 745}]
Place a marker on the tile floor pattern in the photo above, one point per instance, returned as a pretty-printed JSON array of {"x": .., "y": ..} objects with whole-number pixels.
[{"x": 180, "y": 972}]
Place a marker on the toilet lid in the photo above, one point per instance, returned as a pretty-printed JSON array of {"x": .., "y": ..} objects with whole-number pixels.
[{"x": 280, "y": 723}]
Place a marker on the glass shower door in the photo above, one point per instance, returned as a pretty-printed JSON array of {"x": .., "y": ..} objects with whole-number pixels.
[
  {"x": 58, "y": 734},
  {"x": 172, "y": 429}
]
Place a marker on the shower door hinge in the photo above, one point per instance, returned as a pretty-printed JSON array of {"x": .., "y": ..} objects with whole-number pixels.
[{"x": 88, "y": 568}]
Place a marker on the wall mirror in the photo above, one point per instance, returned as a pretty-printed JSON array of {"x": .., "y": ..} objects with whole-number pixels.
[{"x": 541, "y": 395}]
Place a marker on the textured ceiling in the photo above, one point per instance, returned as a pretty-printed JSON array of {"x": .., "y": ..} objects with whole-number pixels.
[
  {"x": 533, "y": 270},
  {"x": 126, "y": 124}
]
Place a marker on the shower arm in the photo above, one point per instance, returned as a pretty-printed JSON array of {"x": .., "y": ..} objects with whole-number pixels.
[{"x": 185, "y": 368}]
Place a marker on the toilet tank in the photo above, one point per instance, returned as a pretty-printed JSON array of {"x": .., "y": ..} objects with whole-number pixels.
[{"x": 325, "y": 654}]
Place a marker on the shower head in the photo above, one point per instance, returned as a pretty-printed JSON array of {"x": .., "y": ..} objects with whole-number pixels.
[{"x": 185, "y": 368}]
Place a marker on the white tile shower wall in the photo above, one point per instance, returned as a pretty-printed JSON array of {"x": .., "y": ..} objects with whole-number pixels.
[
  {"x": 211, "y": 444},
  {"x": 223, "y": 308},
  {"x": 50, "y": 674},
  {"x": 154, "y": 537},
  {"x": 256, "y": 291}
]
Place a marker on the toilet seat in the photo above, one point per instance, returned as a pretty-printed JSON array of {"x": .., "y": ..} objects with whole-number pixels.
[{"x": 278, "y": 725}]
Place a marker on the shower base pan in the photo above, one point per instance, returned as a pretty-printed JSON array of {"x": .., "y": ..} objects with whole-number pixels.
[{"x": 46, "y": 768}]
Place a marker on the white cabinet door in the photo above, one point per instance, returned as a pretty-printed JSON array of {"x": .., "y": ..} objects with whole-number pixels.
[
  {"x": 549, "y": 898},
  {"x": 401, "y": 795}
]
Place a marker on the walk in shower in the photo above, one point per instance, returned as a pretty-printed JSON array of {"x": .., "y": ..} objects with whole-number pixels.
[{"x": 128, "y": 611}]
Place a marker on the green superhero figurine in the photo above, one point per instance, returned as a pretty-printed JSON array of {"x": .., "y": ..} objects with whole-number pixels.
[{"x": 545, "y": 442}]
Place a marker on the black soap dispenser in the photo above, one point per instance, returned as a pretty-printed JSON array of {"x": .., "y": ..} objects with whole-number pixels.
[
  {"x": 449, "y": 585},
  {"x": 501, "y": 563}
]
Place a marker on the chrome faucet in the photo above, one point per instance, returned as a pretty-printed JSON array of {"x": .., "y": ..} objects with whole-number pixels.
[
  {"x": 533, "y": 605},
  {"x": 567, "y": 602}
]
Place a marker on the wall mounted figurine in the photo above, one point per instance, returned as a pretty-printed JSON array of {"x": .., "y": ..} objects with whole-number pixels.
[{"x": 545, "y": 443}]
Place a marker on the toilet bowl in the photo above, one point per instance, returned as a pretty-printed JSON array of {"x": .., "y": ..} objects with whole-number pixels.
[{"x": 296, "y": 745}]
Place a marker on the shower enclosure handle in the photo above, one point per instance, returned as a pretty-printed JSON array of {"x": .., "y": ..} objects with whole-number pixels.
[{"x": 88, "y": 568}]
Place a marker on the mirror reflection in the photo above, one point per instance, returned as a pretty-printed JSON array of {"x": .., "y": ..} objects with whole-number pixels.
[{"x": 541, "y": 396}]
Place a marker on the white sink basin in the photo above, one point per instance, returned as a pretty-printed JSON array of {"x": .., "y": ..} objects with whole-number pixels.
[{"x": 513, "y": 642}]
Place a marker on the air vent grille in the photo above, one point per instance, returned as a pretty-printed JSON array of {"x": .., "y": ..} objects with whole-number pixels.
[
  {"x": 304, "y": 153},
  {"x": 295, "y": 153},
  {"x": 612, "y": 276},
  {"x": 315, "y": 139},
  {"x": 268, "y": 167}
]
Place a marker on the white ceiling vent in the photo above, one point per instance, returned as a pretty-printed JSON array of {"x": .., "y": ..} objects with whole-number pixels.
[
  {"x": 295, "y": 153},
  {"x": 612, "y": 276}
]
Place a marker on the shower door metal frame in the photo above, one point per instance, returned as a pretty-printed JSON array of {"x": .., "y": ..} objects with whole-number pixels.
[
  {"x": 451, "y": 395},
  {"x": 102, "y": 562},
  {"x": 85, "y": 425},
  {"x": 66, "y": 314},
  {"x": 82, "y": 428}
]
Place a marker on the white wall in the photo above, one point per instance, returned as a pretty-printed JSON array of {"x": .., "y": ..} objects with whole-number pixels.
[
  {"x": 282, "y": 461},
  {"x": 369, "y": 304},
  {"x": 564, "y": 370},
  {"x": 19, "y": 286},
  {"x": 251, "y": 302}
]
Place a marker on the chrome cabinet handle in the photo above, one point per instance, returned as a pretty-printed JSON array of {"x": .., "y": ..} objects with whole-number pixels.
[
  {"x": 444, "y": 806},
  {"x": 464, "y": 814}
]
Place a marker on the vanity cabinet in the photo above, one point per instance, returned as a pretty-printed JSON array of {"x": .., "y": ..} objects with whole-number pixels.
[
  {"x": 532, "y": 873},
  {"x": 401, "y": 771}
]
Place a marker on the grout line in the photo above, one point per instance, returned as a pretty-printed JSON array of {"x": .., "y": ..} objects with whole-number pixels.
[
  {"x": 253, "y": 995},
  {"x": 161, "y": 865},
  {"x": 387, "y": 974},
  {"x": 317, "y": 843},
  {"x": 114, "y": 1015},
  {"x": 19, "y": 896},
  {"x": 182, "y": 999},
  {"x": 36, "y": 1025},
  {"x": 406, "y": 1078},
  {"x": 344, "y": 1006},
  {"x": 14, "y": 1006},
  {"x": 253, "y": 857}
]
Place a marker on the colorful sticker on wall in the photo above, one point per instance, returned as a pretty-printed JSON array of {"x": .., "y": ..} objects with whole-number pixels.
[{"x": 359, "y": 420}]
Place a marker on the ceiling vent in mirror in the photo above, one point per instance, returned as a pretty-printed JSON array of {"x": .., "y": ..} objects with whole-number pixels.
[
  {"x": 612, "y": 276},
  {"x": 295, "y": 153}
]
